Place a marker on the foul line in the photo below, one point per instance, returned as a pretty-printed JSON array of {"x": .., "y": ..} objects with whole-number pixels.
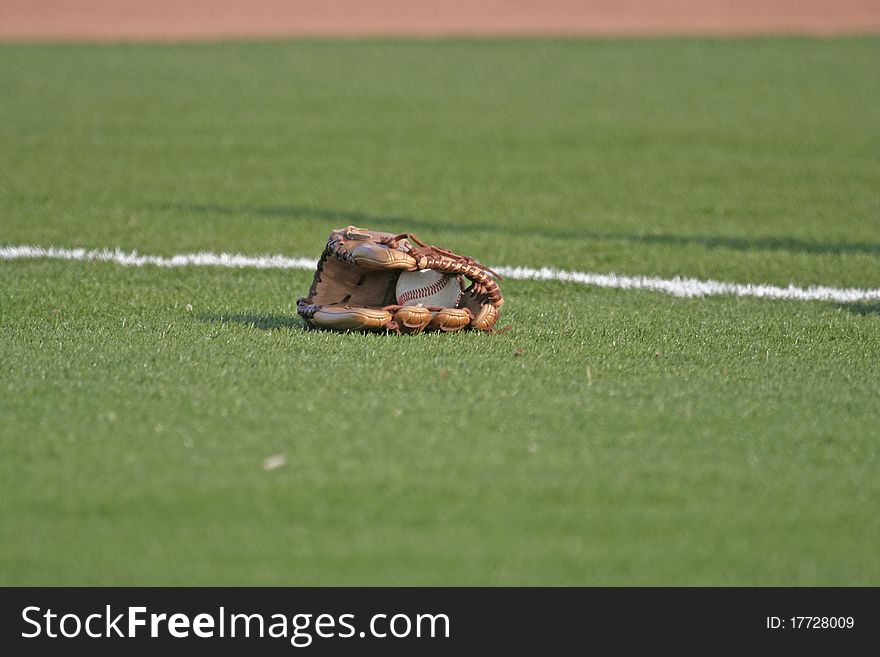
[
  {"x": 677, "y": 287},
  {"x": 135, "y": 259}
]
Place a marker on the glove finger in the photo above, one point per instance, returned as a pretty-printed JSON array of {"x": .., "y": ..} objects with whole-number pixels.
[
  {"x": 450, "y": 319},
  {"x": 485, "y": 318},
  {"x": 351, "y": 318},
  {"x": 378, "y": 256},
  {"x": 413, "y": 319}
]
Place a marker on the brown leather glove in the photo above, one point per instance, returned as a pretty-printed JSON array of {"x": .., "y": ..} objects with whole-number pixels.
[{"x": 354, "y": 286}]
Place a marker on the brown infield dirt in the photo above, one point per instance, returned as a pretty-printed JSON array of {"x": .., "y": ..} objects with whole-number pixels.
[{"x": 179, "y": 20}]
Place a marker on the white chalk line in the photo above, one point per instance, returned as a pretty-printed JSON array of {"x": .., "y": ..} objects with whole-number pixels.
[{"x": 677, "y": 287}]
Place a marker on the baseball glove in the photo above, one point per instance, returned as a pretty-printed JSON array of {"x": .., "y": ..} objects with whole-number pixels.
[{"x": 355, "y": 281}]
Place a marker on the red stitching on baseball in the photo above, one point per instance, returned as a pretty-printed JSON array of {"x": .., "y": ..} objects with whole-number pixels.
[{"x": 426, "y": 291}]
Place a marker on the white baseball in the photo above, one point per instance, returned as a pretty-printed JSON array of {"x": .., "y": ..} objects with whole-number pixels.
[{"x": 428, "y": 288}]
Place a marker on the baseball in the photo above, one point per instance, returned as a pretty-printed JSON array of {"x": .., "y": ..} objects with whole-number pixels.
[{"x": 428, "y": 288}]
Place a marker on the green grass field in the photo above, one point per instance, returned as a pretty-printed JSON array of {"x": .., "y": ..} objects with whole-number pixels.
[{"x": 609, "y": 437}]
